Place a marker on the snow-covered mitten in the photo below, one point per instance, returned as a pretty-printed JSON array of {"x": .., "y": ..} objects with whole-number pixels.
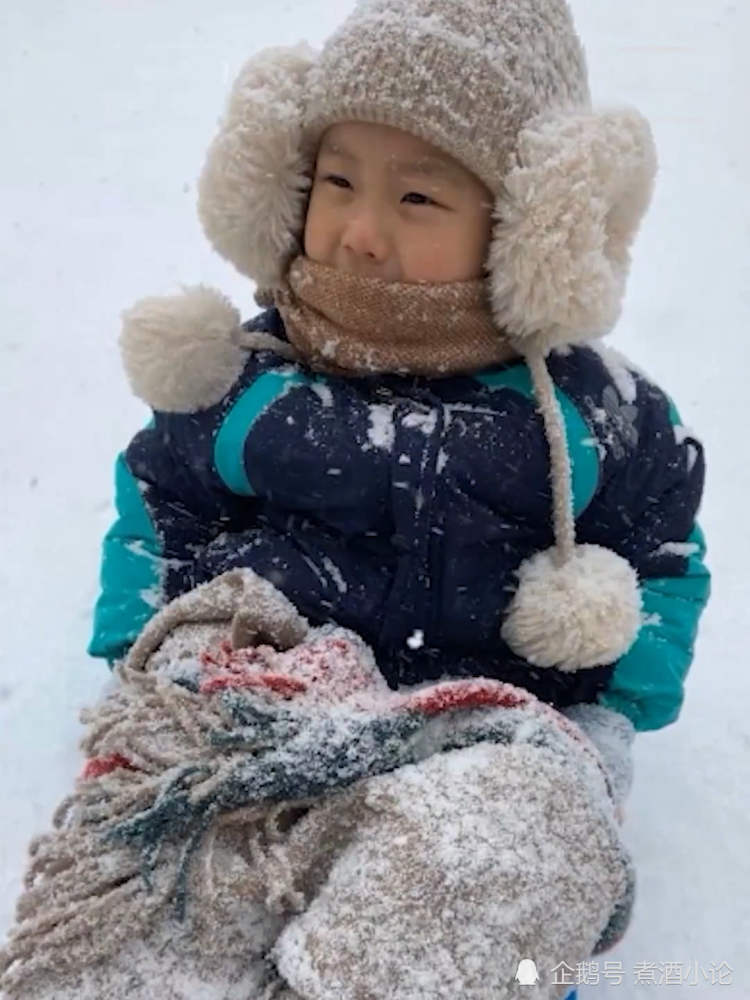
[
  {"x": 613, "y": 734},
  {"x": 459, "y": 868}
]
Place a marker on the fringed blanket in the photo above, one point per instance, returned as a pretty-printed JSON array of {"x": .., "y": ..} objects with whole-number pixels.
[{"x": 233, "y": 725}]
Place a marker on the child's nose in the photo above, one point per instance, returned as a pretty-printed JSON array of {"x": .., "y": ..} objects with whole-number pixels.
[{"x": 365, "y": 236}]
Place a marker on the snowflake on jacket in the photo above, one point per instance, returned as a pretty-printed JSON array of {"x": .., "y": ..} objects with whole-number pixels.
[{"x": 402, "y": 508}]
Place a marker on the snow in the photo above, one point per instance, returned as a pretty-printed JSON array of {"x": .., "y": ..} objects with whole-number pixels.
[
  {"x": 619, "y": 368},
  {"x": 651, "y": 621},
  {"x": 324, "y": 392},
  {"x": 335, "y": 573},
  {"x": 381, "y": 433},
  {"x": 682, "y": 434},
  {"x": 106, "y": 110},
  {"x": 416, "y": 639},
  {"x": 424, "y": 422},
  {"x": 685, "y": 549}
]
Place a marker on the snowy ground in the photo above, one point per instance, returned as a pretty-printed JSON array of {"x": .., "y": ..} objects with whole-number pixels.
[{"x": 105, "y": 110}]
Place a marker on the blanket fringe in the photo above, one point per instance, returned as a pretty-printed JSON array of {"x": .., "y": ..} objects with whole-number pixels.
[{"x": 75, "y": 878}]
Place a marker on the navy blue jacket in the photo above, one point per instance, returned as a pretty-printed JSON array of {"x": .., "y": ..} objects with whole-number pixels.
[{"x": 402, "y": 507}]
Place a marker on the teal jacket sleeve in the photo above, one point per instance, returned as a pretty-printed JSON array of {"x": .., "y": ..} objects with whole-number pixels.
[
  {"x": 648, "y": 684},
  {"x": 162, "y": 524},
  {"x": 132, "y": 570}
]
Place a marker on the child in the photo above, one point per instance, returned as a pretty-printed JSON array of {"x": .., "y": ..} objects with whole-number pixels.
[
  {"x": 422, "y": 439},
  {"x": 456, "y": 217}
]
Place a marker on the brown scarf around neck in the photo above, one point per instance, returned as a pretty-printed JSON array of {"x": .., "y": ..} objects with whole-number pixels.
[{"x": 346, "y": 325}]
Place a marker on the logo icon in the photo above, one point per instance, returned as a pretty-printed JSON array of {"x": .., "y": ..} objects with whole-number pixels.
[{"x": 527, "y": 974}]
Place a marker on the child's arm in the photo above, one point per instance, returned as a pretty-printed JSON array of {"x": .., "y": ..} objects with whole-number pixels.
[
  {"x": 163, "y": 521},
  {"x": 652, "y": 502},
  {"x": 281, "y": 434},
  {"x": 646, "y": 689},
  {"x": 648, "y": 682}
]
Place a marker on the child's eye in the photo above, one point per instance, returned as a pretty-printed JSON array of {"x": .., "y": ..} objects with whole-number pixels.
[
  {"x": 337, "y": 181},
  {"x": 415, "y": 198}
]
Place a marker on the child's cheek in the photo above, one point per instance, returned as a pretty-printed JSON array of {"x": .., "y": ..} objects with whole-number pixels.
[
  {"x": 317, "y": 230},
  {"x": 443, "y": 255}
]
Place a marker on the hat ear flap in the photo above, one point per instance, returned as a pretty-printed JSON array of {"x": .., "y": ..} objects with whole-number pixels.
[
  {"x": 571, "y": 207},
  {"x": 255, "y": 182}
]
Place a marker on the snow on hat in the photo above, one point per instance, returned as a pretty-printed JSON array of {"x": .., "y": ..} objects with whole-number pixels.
[{"x": 500, "y": 85}]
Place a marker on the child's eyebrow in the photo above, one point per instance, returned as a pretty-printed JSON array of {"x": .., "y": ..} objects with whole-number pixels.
[
  {"x": 333, "y": 148},
  {"x": 424, "y": 166},
  {"x": 427, "y": 166}
]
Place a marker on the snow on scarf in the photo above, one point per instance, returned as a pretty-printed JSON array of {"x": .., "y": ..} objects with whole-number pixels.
[{"x": 207, "y": 737}]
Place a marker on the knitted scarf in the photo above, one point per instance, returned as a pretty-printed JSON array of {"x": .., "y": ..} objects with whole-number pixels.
[{"x": 342, "y": 324}]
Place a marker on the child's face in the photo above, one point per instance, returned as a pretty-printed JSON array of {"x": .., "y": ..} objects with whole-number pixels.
[{"x": 385, "y": 204}]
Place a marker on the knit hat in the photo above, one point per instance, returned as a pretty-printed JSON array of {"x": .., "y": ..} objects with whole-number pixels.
[{"x": 500, "y": 85}]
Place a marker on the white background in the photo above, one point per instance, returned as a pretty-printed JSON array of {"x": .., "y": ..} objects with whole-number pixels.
[{"x": 106, "y": 108}]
